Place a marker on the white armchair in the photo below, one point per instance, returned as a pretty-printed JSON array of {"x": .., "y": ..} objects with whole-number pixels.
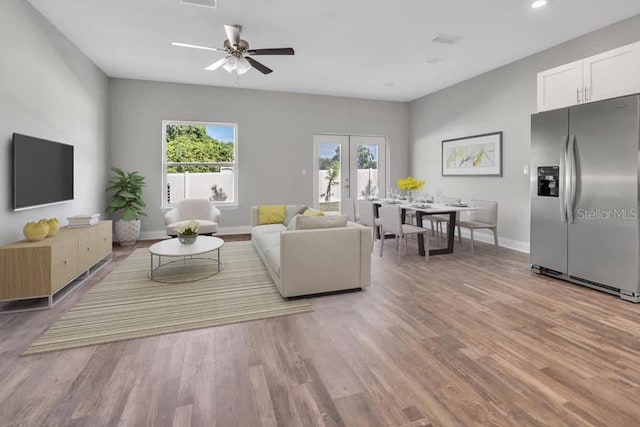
[{"x": 201, "y": 210}]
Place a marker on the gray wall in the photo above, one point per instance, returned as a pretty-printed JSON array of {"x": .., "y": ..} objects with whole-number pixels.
[
  {"x": 275, "y": 132},
  {"x": 49, "y": 89},
  {"x": 500, "y": 100}
]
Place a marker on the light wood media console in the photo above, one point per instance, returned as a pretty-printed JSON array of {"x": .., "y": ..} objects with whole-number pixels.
[{"x": 49, "y": 269}]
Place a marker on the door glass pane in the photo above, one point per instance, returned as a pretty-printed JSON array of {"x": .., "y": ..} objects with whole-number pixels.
[
  {"x": 329, "y": 160},
  {"x": 367, "y": 164}
]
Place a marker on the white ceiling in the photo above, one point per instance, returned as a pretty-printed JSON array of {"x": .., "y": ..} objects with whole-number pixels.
[{"x": 343, "y": 47}]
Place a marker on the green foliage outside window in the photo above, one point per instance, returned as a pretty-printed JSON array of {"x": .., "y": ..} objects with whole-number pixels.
[
  {"x": 191, "y": 144},
  {"x": 366, "y": 159}
]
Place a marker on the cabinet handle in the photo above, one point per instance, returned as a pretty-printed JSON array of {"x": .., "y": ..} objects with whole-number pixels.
[
  {"x": 65, "y": 262},
  {"x": 586, "y": 93},
  {"x": 578, "y": 96},
  {"x": 88, "y": 249}
]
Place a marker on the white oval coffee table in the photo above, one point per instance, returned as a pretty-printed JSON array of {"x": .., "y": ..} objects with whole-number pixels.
[{"x": 192, "y": 264}]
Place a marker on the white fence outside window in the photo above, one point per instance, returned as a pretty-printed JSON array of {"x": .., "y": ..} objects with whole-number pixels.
[{"x": 198, "y": 185}]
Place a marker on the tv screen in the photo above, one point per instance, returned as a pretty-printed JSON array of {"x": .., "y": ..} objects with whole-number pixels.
[{"x": 42, "y": 172}]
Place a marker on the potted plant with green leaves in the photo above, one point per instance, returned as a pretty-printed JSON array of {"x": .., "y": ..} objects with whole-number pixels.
[{"x": 127, "y": 198}]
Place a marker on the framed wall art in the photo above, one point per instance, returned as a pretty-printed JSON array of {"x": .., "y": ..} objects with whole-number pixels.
[{"x": 478, "y": 155}]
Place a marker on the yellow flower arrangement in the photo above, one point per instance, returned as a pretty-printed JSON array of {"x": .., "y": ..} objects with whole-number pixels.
[{"x": 410, "y": 183}]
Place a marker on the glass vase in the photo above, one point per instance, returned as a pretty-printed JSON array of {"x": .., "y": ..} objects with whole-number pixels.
[
  {"x": 411, "y": 196},
  {"x": 187, "y": 239}
]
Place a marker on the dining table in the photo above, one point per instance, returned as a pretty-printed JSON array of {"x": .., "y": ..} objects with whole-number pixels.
[{"x": 424, "y": 209}]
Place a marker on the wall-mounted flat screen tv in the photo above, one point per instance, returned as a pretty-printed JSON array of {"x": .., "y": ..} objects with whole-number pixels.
[{"x": 42, "y": 172}]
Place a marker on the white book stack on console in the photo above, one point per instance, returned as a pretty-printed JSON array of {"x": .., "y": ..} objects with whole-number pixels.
[{"x": 83, "y": 220}]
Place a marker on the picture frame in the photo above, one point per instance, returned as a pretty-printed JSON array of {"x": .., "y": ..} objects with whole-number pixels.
[{"x": 477, "y": 155}]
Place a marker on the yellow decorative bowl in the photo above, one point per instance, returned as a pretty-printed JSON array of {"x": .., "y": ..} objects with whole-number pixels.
[
  {"x": 35, "y": 231},
  {"x": 54, "y": 226}
]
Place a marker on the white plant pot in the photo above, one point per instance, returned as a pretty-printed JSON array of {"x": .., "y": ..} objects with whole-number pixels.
[{"x": 127, "y": 232}]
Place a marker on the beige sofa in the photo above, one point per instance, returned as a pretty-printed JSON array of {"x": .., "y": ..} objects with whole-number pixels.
[{"x": 306, "y": 262}]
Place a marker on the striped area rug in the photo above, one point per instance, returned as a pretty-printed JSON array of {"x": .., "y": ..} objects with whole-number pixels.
[{"x": 127, "y": 304}]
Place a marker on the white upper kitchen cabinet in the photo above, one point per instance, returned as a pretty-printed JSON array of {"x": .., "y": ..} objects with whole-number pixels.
[
  {"x": 604, "y": 76},
  {"x": 560, "y": 86},
  {"x": 613, "y": 73}
]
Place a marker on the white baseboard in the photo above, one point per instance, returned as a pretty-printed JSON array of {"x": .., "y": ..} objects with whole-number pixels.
[
  {"x": 486, "y": 236},
  {"x": 222, "y": 231}
]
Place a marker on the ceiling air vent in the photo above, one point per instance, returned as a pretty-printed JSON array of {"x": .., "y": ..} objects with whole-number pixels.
[
  {"x": 446, "y": 39},
  {"x": 204, "y": 3}
]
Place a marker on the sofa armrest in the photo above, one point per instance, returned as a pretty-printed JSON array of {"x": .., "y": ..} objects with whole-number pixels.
[
  {"x": 255, "y": 217},
  {"x": 214, "y": 214},
  {"x": 324, "y": 260},
  {"x": 172, "y": 216}
]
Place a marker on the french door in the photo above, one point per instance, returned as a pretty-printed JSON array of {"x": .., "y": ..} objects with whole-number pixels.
[{"x": 347, "y": 167}]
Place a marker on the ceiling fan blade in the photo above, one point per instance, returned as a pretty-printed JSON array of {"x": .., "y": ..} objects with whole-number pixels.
[
  {"x": 233, "y": 34},
  {"x": 217, "y": 64},
  {"x": 258, "y": 66},
  {"x": 272, "y": 51},
  {"x": 196, "y": 46}
]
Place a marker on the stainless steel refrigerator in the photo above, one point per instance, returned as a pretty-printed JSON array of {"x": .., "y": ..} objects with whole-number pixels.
[{"x": 584, "y": 195}]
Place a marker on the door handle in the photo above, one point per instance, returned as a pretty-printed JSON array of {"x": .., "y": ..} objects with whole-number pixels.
[
  {"x": 578, "y": 93},
  {"x": 571, "y": 157},
  {"x": 563, "y": 180}
]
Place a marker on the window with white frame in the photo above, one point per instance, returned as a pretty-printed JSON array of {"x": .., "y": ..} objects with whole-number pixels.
[{"x": 200, "y": 161}]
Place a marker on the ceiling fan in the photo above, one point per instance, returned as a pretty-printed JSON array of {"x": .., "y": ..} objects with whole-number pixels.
[{"x": 239, "y": 58}]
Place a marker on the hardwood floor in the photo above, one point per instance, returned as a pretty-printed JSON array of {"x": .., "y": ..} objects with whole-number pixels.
[{"x": 462, "y": 340}]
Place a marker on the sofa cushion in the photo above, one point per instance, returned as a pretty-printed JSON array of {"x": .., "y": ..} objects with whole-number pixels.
[
  {"x": 312, "y": 212},
  {"x": 204, "y": 227},
  {"x": 271, "y": 214},
  {"x": 311, "y": 223},
  {"x": 260, "y": 232},
  {"x": 273, "y": 258},
  {"x": 292, "y": 211},
  {"x": 293, "y": 222}
]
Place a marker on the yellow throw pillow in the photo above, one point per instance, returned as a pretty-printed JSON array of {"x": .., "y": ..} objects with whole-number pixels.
[
  {"x": 271, "y": 214},
  {"x": 313, "y": 212}
]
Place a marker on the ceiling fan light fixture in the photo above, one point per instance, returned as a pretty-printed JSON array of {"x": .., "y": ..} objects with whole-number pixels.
[
  {"x": 243, "y": 66},
  {"x": 231, "y": 65}
]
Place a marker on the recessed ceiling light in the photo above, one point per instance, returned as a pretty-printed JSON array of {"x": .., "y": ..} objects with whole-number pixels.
[{"x": 538, "y": 3}]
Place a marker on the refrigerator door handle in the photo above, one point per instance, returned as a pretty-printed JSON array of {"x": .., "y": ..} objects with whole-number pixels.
[
  {"x": 571, "y": 160},
  {"x": 563, "y": 180}
]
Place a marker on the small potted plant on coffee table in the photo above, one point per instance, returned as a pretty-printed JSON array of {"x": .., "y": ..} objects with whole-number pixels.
[{"x": 188, "y": 232}]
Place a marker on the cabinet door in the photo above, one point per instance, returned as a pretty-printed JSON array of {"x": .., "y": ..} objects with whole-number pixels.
[
  {"x": 64, "y": 263},
  {"x": 87, "y": 248},
  {"x": 105, "y": 239},
  {"x": 560, "y": 87},
  {"x": 612, "y": 74}
]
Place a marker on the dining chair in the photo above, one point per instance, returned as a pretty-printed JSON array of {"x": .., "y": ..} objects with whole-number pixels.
[
  {"x": 486, "y": 217},
  {"x": 391, "y": 216},
  {"x": 348, "y": 208},
  {"x": 367, "y": 217}
]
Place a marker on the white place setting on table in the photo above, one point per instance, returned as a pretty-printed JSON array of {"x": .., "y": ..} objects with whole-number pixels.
[{"x": 422, "y": 209}]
